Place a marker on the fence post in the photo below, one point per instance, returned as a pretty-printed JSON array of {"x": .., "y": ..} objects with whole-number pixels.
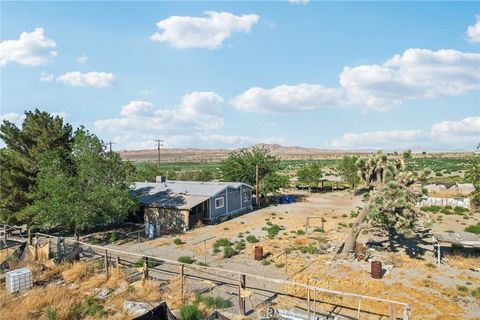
[
  {"x": 30, "y": 236},
  {"x": 35, "y": 255},
  {"x": 308, "y": 303},
  {"x": 392, "y": 311},
  {"x": 118, "y": 262},
  {"x": 241, "y": 301},
  {"x": 182, "y": 279},
  {"x": 145, "y": 269},
  {"x": 406, "y": 312},
  {"x": 106, "y": 263}
]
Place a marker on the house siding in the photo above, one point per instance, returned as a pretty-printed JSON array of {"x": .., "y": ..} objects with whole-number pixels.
[{"x": 215, "y": 213}]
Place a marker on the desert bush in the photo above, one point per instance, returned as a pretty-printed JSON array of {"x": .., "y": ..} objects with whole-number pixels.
[
  {"x": 318, "y": 229},
  {"x": 190, "y": 312},
  {"x": 221, "y": 243},
  {"x": 240, "y": 245},
  {"x": 178, "y": 241},
  {"x": 211, "y": 302},
  {"x": 473, "y": 228},
  {"x": 307, "y": 249},
  {"x": 273, "y": 230},
  {"x": 280, "y": 265},
  {"x": 186, "y": 259},
  {"x": 300, "y": 232},
  {"x": 265, "y": 262},
  {"x": 229, "y": 252},
  {"x": 252, "y": 239},
  {"x": 151, "y": 263}
]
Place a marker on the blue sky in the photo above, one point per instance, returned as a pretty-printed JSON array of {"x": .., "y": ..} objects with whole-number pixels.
[{"x": 335, "y": 75}]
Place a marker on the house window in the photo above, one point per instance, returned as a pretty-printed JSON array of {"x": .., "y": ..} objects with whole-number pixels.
[
  {"x": 247, "y": 195},
  {"x": 219, "y": 202}
]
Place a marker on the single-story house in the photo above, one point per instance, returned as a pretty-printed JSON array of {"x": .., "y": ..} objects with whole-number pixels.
[{"x": 180, "y": 205}]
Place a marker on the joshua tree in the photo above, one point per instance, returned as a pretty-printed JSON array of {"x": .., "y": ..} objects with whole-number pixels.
[{"x": 390, "y": 196}]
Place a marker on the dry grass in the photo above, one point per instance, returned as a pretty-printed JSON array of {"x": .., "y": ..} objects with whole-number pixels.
[
  {"x": 425, "y": 304},
  {"x": 31, "y": 305},
  {"x": 462, "y": 262},
  {"x": 78, "y": 272}
]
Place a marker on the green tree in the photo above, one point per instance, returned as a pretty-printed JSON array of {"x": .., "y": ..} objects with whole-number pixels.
[
  {"x": 86, "y": 187},
  {"x": 240, "y": 166},
  {"x": 309, "y": 174},
  {"x": 472, "y": 174},
  {"x": 149, "y": 172},
  {"x": 348, "y": 170},
  {"x": 19, "y": 159},
  {"x": 392, "y": 192}
]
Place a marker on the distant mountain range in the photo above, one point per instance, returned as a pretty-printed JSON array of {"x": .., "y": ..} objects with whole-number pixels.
[{"x": 284, "y": 152}]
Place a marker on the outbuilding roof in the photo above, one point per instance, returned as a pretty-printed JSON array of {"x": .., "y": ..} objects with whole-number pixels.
[{"x": 180, "y": 194}]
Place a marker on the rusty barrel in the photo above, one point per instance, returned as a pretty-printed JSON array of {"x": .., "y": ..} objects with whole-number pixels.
[
  {"x": 258, "y": 253},
  {"x": 376, "y": 269}
]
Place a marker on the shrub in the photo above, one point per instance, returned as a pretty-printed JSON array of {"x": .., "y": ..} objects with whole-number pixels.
[
  {"x": 178, "y": 241},
  {"x": 113, "y": 237},
  {"x": 95, "y": 241},
  {"x": 202, "y": 263},
  {"x": 431, "y": 265},
  {"x": 50, "y": 313},
  {"x": 460, "y": 210},
  {"x": 185, "y": 259},
  {"x": 190, "y": 312},
  {"x": 216, "y": 250},
  {"x": 341, "y": 224},
  {"x": 265, "y": 262},
  {"x": 229, "y": 252},
  {"x": 280, "y": 265},
  {"x": 476, "y": 292},
  {"x": 318, "y": 229},
  {"x": 252, "y": 239},
  {"x": 212, "y": 302},
  {"x": 222, "y": 243},
  {"x": 308, "y": 249},
  {"x": 473, "y": 228},
  {"x": 150, "y": 262},
  {"x": 240, "y": 245},
  {"x": 300, "y": 232},
  {"x": 273, "y": 230},
  {"x": 462, "y": 288}
]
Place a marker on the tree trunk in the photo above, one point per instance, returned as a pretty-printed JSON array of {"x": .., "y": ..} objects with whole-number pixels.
[{"x": 352, "y": 236}]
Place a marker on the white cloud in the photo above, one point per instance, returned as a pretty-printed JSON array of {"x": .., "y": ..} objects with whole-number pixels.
[
  {"x": 82, "y": 59},
  {"x": 414, "y": 74},
  {"x": 202, "y": 32},
  {"x": 449, "y": 135},
  {"x": 46, "y": 77},
  {"x": 12, "y": 117},
  {"x": 89, "y": 79},
  {"x": 288, "y": 98},
  {"x": 299, "y": 1},
  {"x": 32, "y": 48},
  {"x": 198, "y": 112},
  {"x": 473, "y": 32}
]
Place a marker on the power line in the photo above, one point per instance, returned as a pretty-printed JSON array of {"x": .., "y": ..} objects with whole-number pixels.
[
  {"x": 110, "y": 144},
  {"x": 159, "y": 145}
]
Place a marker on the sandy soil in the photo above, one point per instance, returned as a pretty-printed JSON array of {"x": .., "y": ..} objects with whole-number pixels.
[{"x": 431, "y": 290}]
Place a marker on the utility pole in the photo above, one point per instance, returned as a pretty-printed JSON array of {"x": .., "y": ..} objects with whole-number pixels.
[
  {"x": 159, "y": 144},
  {"x": 110, "y": 145},
  {"x": 257, "y": 181}
]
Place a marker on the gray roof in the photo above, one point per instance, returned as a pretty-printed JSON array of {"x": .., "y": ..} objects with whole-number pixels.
[
  {"x": 461, "y": 238},
  {"x": 180, "y": 194}
]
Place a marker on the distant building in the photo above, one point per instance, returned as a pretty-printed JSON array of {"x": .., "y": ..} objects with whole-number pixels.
[{"x": 179, "y": 205}]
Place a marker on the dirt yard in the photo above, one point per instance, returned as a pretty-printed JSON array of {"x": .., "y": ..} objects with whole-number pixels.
[
  {"x": 291, "y": 251},
  {"x": 434, "y": 292}
]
